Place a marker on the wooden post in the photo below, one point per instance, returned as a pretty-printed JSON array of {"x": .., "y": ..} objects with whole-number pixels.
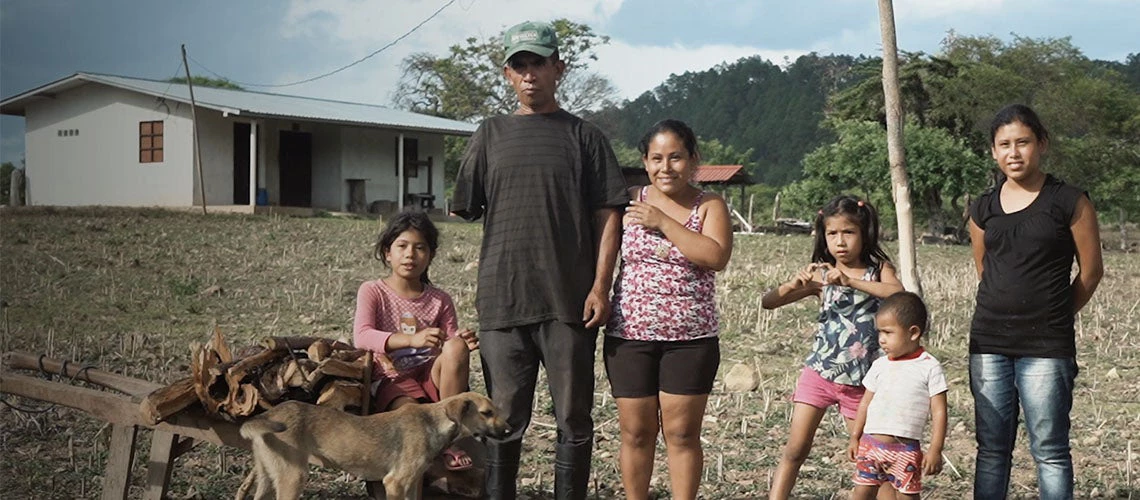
[
  {"x": 402, "y": 185},
  {"x": 160, "y": 464},
  {"x": 197, "y": 143},
  {"x": 776, "y": 209},
  {"x": 1123, "y": 230},
  {"x": 900, "y": 184},
  {"x": 751, "y": 199},
  {"x": 117, "y": 475},
  {"x": 16, "y": 188}
]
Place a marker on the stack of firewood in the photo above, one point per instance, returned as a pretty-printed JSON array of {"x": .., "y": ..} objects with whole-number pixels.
[{"x": 232, "y": 387}]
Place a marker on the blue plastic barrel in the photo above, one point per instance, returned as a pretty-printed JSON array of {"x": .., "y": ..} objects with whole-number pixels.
[{"x": 262, "y": 196}]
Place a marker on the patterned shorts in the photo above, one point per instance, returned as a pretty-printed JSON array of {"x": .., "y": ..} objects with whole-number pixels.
[{"x": 897, "y": 463}]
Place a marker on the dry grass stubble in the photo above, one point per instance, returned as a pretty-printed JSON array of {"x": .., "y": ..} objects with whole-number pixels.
[{"x": 123, "y": 291}]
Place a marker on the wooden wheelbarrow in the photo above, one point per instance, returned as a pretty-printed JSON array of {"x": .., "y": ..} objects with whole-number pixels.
[{"x": 144, "y": 404}]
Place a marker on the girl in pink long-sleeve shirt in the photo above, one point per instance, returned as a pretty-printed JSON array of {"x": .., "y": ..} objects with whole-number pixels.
[{"x": 404, "y": 319}]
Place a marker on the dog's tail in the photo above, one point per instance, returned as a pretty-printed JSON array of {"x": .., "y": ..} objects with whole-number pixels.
[{"x": 259, "y": 427}]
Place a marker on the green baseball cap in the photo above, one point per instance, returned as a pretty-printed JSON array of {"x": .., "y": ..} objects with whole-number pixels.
[{"x": 529, "y": 36}]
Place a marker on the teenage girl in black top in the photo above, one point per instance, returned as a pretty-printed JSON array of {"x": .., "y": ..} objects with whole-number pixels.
[{"x": 1025, "y": 233}]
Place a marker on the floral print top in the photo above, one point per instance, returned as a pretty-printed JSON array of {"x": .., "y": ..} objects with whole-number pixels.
[
  {"x": 660, "y": 295},
  {"x": 846, "y": 343}
]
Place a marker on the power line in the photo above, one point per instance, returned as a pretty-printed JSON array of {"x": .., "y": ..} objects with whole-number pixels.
[{"x": 335, "y": 71}]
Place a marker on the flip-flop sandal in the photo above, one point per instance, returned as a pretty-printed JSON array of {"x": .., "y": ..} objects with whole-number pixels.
[{"x": 454, "y": 459}]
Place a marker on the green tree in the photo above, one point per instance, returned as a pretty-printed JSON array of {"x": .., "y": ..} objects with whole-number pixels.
[
  {"x": 627, "y": 156},
  {"x": 467, "y": 83},
  {"x": 972, "y": 77},
  {"x": 1109, "y": 169},
  {"x": 714, "y": 152},
  {"x": 203, "y": 81},
  {"x": 942, "y": 170}
]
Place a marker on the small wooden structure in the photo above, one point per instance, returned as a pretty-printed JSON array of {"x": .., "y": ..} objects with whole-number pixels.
[
  {"x": 171, "y": 438},
  {"x": 227, "y": 387}
]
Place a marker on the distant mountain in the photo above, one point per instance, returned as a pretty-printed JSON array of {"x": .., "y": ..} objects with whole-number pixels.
[{"x": 751, "y": 103}]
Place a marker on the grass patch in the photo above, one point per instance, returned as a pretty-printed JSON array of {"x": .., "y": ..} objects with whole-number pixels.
[{"x": 121, "y": 289}]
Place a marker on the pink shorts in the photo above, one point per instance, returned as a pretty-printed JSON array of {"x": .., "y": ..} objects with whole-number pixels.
[
  {"x": 897, "y": 463},
  {"x": 415, "y": 383},
  {"x": 814, "y": 390}
]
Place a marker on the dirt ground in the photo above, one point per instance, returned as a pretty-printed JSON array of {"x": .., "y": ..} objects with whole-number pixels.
[{"x": 126, "y": 291}]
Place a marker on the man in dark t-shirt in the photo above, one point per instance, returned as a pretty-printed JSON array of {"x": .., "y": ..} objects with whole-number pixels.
[{"x": 549, "y": 190}]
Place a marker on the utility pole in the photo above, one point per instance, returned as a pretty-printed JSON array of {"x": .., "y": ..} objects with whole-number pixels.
[{"x": 197, "y": 143}]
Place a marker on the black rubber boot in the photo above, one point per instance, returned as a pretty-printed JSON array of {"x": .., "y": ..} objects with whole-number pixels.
[
  {"x": 502, "y": 470},
  {"x": 572, "y": 470}
]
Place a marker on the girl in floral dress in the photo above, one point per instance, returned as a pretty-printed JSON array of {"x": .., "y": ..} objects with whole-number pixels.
[
  {"x": 850, "y": 274},
  {"x": 661, "y": 347}
]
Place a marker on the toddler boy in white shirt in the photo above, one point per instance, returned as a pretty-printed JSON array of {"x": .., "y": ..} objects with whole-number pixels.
[{"x": 905, "y": 387}]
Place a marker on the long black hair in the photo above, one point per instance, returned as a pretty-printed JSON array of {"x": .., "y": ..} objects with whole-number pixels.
[
  {"x": 861, "y": 213},
  {"x": 404, "y": 221}
]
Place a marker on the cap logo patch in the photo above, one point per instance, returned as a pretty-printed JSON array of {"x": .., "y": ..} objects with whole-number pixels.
[{"x": 524, "y": 36}]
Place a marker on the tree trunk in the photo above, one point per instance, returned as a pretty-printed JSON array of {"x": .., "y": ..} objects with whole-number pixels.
[{"x": 900, "y": 187}]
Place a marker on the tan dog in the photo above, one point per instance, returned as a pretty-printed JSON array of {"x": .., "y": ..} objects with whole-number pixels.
[{"x": 394, "y": 447}]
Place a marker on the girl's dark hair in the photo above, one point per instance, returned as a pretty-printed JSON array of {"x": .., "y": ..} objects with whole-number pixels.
[
  {"x": 1018, "y": 113},
  {"x": 675, "y": 127},
  {"x": 862, "y": 213},
  {"x": 407, "y": 220}
]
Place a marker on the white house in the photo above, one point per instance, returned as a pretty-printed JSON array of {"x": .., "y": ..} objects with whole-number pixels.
[{"x": 96, "y": 139}]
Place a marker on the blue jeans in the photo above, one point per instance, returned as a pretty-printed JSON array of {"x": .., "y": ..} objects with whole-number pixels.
[{"x": 1044, "y": 389}]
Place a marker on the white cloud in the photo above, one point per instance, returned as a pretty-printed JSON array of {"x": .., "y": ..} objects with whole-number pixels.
[{"x": 635, "y": 69}]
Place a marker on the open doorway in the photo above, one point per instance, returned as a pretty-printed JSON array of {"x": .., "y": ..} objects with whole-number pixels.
[
  {"x": 295, "y": 159},
  {"x": 241, "y": 163}
]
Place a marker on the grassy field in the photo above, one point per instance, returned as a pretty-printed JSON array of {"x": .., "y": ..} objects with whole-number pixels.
[{"x": 123, "y": 290}]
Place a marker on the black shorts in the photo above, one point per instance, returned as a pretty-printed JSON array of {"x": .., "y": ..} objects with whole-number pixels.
[{"x": 638, "y": 369}]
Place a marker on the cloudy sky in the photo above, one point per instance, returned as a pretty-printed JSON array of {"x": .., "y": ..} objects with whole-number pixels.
[{"x": 282, "y": 41}]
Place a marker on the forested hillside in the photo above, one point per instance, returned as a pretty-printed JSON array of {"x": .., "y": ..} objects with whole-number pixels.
[
  {"x": 749, "y": 104},
  {"x": 782, "y": 114}
]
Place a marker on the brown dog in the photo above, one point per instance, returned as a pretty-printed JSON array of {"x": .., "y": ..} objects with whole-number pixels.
[{"x": 394, "y": 447}]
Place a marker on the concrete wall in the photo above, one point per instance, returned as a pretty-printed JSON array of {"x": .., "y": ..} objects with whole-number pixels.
[
  {"x": 371, "y": 154},
  {"x": 328, "y": 192},
  {"x": 217, "y": 135},
  {"x": 100, "y": 165}
]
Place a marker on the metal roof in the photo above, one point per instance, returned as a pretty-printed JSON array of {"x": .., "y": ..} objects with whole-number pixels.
[
  {"x": 254, "y": 104},
  {"x": 724, "y": 174}
]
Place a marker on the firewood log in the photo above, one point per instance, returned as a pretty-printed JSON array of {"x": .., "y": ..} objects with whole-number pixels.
[
  {"x": 319, "y": 350},
  {"x": 245, "y": 402},
  {"x": 300, "y": 343},
  {"x": 202, "y": 359},
  {"x": 341, "y": 394},
  {"x": 218, "y": 345},
  {"x": 164, "y": 402}
]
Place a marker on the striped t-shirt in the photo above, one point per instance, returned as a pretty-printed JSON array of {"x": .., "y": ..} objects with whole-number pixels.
[{"x": 536, "y": 181}]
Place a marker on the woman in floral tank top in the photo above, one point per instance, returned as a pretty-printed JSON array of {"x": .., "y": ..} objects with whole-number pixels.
[{"x": 661, "y": 348}]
